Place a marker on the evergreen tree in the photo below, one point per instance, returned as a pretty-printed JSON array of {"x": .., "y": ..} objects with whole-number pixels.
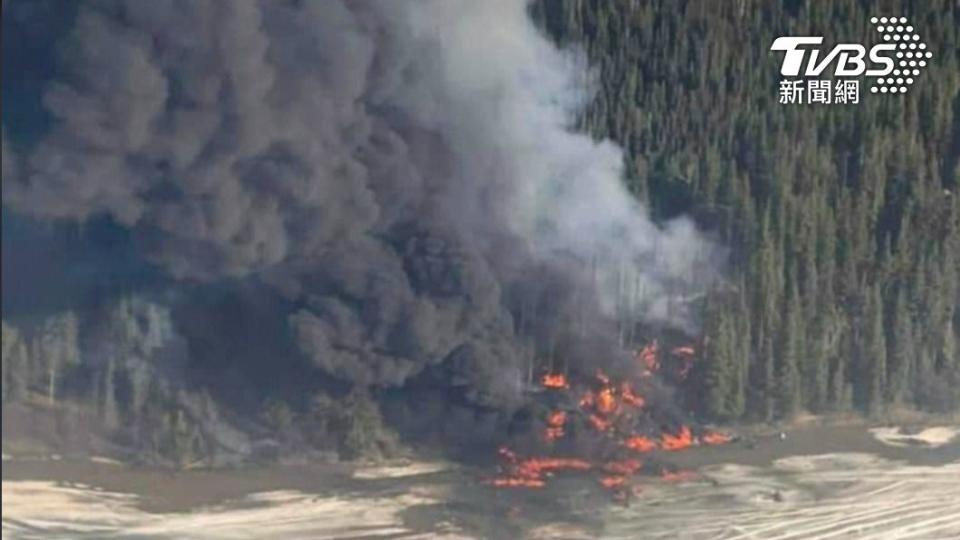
[
  {"x": 902, "y": 349},
  {"x": 874, "y": 355},
  {"x": 788, "y": 374}
]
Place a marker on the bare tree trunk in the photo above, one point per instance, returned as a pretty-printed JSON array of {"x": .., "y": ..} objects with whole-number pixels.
[{"x": 52, "y": 381}]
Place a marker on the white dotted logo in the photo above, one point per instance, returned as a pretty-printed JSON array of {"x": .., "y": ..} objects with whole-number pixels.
[
  {"x": 911, "y": 54},
  {"x": 812, "y": 75}
]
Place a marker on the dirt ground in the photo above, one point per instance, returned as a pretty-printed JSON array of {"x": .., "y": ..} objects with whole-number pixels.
[
  {"x": 164, "y": 491},
  {"x": 761, "y": 447},
  {"x": 817, "y": 482}
]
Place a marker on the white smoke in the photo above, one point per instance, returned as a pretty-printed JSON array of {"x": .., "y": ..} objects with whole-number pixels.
[{"x": 509, "y": 102}]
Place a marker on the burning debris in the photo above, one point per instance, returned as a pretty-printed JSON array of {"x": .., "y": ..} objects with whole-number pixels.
[
  {"x": 680, "y": 441},
  {"x": 647, "y": 357},
  {"x": 554, "y": 380},
  {"x": 555, "y": 423},
  {"x": 614, "y": 414},
  {"x": 532, "y": 472},
  {"x": 714, "y": 438}
]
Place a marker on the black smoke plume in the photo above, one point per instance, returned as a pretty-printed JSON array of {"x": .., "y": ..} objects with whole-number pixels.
[{"x": 405, "y": 175}]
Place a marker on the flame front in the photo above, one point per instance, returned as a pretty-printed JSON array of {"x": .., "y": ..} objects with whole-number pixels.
[
  {"x": 630, "y": 397},
  {"x": 532, "y": 472},
  {"x": 714, "y": 437},
  {"x": 647, "y": 358},
  {"x": 554, "y": 380},
  {"x": 640, "y": 443},
  {"x": 683, "y": 439},
  {"x": 555, "y": 423},
  {"x": 611, "y": 409}
]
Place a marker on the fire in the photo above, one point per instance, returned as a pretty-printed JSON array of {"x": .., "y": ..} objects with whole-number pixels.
[
  {"x": 598, "y": 422},
  {"x": 611, "y": 482},
  {"x": 647, "y": 358},
  {"x": 680, "y": 441},
  {"x": 556, "y": 419},
  {"x": 618, "y": 472},
  {"x": 715, "y": 437},
  {"x": 640, "y": 443},
  {"x": 586, "y": 400},
  {"x": 539, "y": 466},
  {"x": 555, "y": 422},
  {"x": 606, "y": 403},
  {"x": 613, "y": 408},
  {"x": 532, "y": 472},
  {"x": 630, "y": 397},
  {"x": 553, "y": 433},
  {"x": 554, "y": 380}
]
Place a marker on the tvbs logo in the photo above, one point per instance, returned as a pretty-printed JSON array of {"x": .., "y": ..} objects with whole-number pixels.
[
  {"x": 848, "y": 57},
  {"x": 890, "y": 66}
]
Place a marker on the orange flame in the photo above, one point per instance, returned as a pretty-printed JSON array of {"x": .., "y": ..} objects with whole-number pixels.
[
  {"x": 683, "y": 439},
  {"x": 640, "y": 444},
  {"x": 507, "y": 454},
  {"x": 554, "y": 380},
  {"x": 532, "y": 472},
  {"x": 606, "y": 403},
  {"x": 648, "y": 357},
  {"x": 715, "y": 437},
  {"x": 623, "y": 467},
  {"x": 599, "y": 423},
  {"x": 587, "y": 399},
  {"x": 611, "y": 482},
  {"x": 553, "y": 433},
  {"x": 555, "y": 422},
  {"x": 538, "y": 466},
  {"x": 630, "y": 397}
]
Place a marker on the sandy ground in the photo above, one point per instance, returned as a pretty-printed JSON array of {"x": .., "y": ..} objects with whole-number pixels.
[
  {"x": 931, "y": 437},
  {"x": 827, "y": 496},
  {"x": 821, "y": 482},
  {"x": 40, "y": 509}
]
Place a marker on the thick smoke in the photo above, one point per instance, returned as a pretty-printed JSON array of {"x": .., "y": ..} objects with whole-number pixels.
[{"x": 406, "y": 174}]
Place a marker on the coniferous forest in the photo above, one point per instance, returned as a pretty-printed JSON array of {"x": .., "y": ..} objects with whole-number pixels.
[
  {"x": 840, "y": 224},
  {"x": 843, "y": 221}
]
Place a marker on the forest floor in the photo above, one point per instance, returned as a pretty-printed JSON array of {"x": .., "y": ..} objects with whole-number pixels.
[{"x": 820, "y": 481}]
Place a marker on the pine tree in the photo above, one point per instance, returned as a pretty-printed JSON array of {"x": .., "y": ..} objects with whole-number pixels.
[
  {"x": 719, "y": 378},
  {"x": 874, "y": 353},
  {"x": 900, "y": 368},
  {"x": 788, "y": 375}
]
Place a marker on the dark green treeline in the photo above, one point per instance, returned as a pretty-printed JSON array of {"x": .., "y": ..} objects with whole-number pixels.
[{"x": 843, "y": 220}]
